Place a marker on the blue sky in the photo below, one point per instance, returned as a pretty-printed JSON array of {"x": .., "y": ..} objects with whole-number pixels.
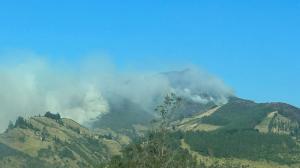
[{"x": 254, "y": 46}]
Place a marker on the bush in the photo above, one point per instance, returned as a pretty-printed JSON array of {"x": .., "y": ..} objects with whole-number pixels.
[{"x": 66, "y": 153}]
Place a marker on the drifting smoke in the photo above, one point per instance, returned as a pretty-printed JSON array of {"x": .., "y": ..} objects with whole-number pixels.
[
  {"x": 34, "y": 86},
  {"x": 199, "y": 86}
]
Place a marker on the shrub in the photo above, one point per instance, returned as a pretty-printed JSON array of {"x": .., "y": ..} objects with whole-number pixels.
[{"x": 55, "y": 117}]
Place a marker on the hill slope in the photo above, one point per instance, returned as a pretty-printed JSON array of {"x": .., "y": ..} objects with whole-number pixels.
[
  {"x": 266, "y": 117},
  {"x": 45, "y": 142}
]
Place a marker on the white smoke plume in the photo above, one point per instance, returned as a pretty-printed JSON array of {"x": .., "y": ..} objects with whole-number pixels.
[
  {"x": 199, "y": 86},
  {"x": 34, "y": 86}
]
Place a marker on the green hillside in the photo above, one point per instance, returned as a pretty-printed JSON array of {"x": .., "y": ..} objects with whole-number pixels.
[{"x": 244, "y": 114}]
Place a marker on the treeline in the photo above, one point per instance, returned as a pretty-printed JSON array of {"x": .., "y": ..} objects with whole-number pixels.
[{"x": 21, "y": 122}]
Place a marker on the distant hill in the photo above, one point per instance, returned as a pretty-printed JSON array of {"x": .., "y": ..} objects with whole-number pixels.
[
  {"x": 124, "y": 115},
  {"x": 245, "y": 114}
]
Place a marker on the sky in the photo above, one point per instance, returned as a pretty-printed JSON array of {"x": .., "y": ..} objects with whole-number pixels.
[{"x": 253, "y": 46}]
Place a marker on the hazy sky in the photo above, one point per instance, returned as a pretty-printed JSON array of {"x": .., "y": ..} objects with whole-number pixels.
[{"x": 254, "y": 45}]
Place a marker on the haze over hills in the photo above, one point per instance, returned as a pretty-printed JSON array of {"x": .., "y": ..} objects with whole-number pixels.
[
  {"x": 253, "y": 134},
  {"x": 199, "y": 90},
  {"x": 86, "y": 94}
]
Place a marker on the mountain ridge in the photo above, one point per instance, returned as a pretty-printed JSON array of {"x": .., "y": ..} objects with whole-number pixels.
[{"x": 52, "y": 141}]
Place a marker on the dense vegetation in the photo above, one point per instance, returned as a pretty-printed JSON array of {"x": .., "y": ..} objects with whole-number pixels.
[
  {"x": 245, "y": 144},
  {"x": 148, "y": 153}
]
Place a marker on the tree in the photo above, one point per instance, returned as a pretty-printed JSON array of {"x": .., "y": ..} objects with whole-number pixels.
[
  {"x": 10, "y": 126},
  {"x": 159, "y": 148},
  {"x": 170, "y": 103},
  {"x": 44, "y": 134},
  {"x": 21, "y": 123}
]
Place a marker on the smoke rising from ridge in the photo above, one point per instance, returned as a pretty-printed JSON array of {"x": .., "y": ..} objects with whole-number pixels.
[{"x": 34, "y": 86}]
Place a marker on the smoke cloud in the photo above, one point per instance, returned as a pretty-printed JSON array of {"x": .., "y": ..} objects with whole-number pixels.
[{"x": 34, "y": 86}]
